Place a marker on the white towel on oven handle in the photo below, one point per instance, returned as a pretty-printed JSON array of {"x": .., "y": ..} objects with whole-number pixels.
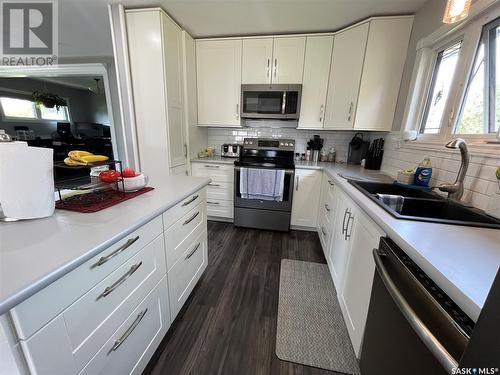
[{"x": 263, "y": 184}]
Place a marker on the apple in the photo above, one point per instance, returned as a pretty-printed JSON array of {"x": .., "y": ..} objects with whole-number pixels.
[{"x": 128, "y": 172}]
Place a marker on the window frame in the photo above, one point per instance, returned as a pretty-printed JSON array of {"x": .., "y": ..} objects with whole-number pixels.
[
  {"x": 470, "y": 32},
  {"x": 16, "y": 94}
]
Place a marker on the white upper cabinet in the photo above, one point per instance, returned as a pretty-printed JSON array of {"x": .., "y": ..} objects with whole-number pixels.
[
  {"x": 382, "y": 72},
  {"x": 345, "y": 76},
  {"x": 315, "y": 81},
  {"x": 156, "y": 70},
  {"x": 218, "y": 65},
  {"x": 172, "y": 37},
  {"x": 257, "y": 61},
  {"x": 288, "y": 60}
]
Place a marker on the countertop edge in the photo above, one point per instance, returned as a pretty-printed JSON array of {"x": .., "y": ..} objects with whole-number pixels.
[{"x": 21, "y": 295}]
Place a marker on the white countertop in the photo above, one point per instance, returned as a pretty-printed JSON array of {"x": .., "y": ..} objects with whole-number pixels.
[
  {"x": 462, "y": 260},
  {"x": 35, "y": 253}
]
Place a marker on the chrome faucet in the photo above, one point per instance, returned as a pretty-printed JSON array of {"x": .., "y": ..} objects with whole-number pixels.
[{"x": 456, "y": 190}]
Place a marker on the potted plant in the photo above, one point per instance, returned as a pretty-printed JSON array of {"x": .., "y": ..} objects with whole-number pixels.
[{"x": 48, "y": 100}]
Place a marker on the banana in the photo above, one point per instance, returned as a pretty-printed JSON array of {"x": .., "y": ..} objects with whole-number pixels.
[
  {"x": 84, "y": 157},
  {"x": 93, "y": 158},
  {"x": 73, "y": 163}
]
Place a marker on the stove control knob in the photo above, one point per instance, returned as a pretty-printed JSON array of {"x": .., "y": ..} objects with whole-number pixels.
[
  {"x": 286, "y": 144},
  {"x": 281, "y": 143},
  {"x": 291, "y": 144}
]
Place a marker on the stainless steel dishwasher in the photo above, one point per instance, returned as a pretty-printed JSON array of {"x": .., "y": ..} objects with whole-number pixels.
[{"x": 413, "y": 327}]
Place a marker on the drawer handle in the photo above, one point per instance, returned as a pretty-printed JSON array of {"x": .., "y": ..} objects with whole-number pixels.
[
  {"x": 129, "y": 330},
  {"x": 323, "y": 231},
  {"x": 191, "y": 218},
  {"x": 343, "y": 221},
  {"x": 216, "y": 203},
  {"x": 212, "y": 166},
  {"x": 348, "y": 235},
  {"x": 193, "y": 251},
  {"x": 214, "y": 185},
  {"x": 195, "y": 197},
  {"x": 122, "y": 248},
  {"x": 120, "y": 281},
  {"x": 331, "y": 183},
  {"x": 327, "y": 208}
]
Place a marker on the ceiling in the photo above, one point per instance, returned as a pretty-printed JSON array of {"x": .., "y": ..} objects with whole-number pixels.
[{"x": 84, "y": 25}]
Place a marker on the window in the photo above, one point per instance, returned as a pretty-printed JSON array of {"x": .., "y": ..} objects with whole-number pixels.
[
  {"x": 53, "y": 113},
  {"x": 20, "y": 108},
  {"x": 24, "y": 109},
  {"x": 480, "y": 112},
  {"x": 444, "y": 70}
]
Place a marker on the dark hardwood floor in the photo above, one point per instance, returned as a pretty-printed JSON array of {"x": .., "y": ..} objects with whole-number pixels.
[{"x": 228, "y": 325}]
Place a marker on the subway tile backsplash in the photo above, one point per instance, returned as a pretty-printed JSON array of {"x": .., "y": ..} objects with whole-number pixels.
[
  {"x": 480, "y": 182},
  {"x": 334, "y": 138}
]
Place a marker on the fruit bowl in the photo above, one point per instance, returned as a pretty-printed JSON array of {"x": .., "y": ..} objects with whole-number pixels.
[{"x": 131, "y": 184}]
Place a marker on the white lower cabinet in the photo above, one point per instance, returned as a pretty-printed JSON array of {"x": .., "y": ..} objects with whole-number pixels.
[
  {"x": 220, "y": 192},
  {"x": 109, "y": 315},
  {"x": 307, "y": 187},
  {"x": 353, "y": 236}
]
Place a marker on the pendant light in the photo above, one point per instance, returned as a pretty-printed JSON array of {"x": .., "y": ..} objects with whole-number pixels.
[{"x": 456, "y": 10}]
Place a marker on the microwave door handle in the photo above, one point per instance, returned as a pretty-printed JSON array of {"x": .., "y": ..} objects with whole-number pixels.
[
  {"x": 283, "y": 104},
  {"x": 423, "y": 332}
]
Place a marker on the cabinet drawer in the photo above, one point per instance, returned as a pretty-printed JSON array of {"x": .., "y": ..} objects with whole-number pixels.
[
  {"x": 220, "y": 191},
  {"x": 220, "y": 208},
  {"x": 182, "y": 277},
  {"x": 181, "y": 208},
  {"x": 32, "y": 314},
  {"x": 185, "y": 226},
  {"x": 139, "y": 335},
  {"x": 92, "y": 319},
  {"x": 217, "y": 172}
]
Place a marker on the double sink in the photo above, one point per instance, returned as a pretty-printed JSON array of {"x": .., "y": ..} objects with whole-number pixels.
[{"x": 421, "y": 205}]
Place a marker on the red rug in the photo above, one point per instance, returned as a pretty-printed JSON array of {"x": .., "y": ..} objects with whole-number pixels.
[{"x": 97, "y": 201}]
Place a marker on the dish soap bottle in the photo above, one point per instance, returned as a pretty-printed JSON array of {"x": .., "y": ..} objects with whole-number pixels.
[{"x": 423, "y": 173}]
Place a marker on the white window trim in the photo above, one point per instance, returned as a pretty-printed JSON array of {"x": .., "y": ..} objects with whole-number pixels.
[{"x": 469, "y": 31}]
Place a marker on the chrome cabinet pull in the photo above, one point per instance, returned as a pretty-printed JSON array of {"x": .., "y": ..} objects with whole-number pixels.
[
  {"x": 120, "y": 281},
  {"x": 191, "y": 253},
  {"x": 214, "y": 185},
  {"x": 216, "y": 203},
  {"x": 191, "y": 218},
  {"x": 347, "y": 236},
  {"x": 275, "y": 66},
  {"x": 212, "y": 166},
  {"x": 268, "y": 67},
  {"x": 331, "y": 183},
  {"x": 122, "y": 248},
  {"x": 327, "y": 208},
  {"x": 323, "y": 231},
  {"x": 185, "y": 150},
  {"x": 296, "y": 183},
  {"x": 343, "y": 220},
  {"x": 424, "y": 333},
  {"x": 349, "y": 116},
  {"x": 195, "y": 197},
  {"x": 127, "y": 333},
  {"x": 237, "y": 111},
  {"x": 321, "y": 110}
]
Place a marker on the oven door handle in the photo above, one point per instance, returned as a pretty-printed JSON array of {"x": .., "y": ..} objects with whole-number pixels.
[
  {"x": 287, "y": 171},
  {"x": 423, "y": 332}
]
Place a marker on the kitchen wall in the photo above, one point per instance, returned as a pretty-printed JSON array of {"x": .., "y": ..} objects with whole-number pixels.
[
  {"x": 480, "y": 182},
  {"x": 338, "y": 139}
]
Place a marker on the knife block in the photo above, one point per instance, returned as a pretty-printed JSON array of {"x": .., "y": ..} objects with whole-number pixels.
[{"x": 374, "y": 161}]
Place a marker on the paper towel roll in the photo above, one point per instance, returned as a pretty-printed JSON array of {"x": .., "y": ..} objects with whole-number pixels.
[{"x": 26, "y": 181}]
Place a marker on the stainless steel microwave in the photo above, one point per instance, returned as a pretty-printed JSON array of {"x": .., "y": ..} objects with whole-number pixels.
[{"x": 270, "y": 101}]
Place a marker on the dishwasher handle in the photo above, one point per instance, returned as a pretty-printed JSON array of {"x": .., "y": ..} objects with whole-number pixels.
[{"x": 429, "y": 340}]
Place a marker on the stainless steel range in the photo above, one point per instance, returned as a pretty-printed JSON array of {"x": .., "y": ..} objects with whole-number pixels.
[{"x": 263, "y": 184}]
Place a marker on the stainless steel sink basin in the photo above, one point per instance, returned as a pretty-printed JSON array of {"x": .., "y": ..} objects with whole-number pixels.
[{"x": 426, "y": 206}]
